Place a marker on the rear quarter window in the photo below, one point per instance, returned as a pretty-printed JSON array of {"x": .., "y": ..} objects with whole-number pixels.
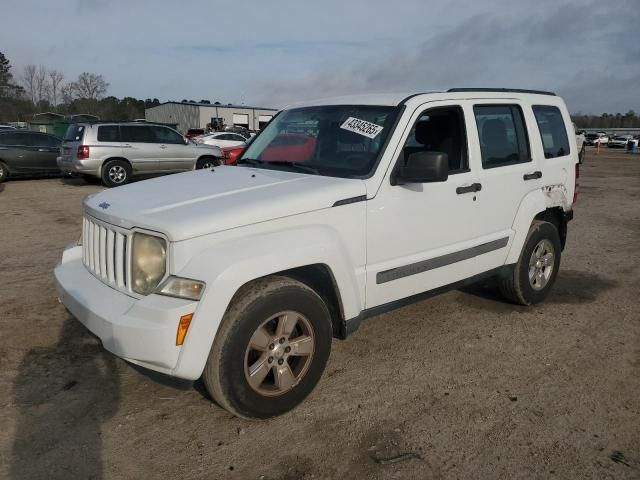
[
  {"x": 553, "y": 133},
  {"x": 109, "y": 133},
  {"x": 74, "y": 133}
]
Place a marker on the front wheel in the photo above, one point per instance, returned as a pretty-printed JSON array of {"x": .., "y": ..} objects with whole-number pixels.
[
  {"x": 208, "y": 162},
  {"x": 537, "y": 268},
  {"x": 271, "y": 349}
]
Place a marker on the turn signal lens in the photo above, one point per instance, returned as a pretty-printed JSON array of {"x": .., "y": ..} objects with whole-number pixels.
[
  {"x": 183, "y": 327},
  {"x": 181, "y": 288}
]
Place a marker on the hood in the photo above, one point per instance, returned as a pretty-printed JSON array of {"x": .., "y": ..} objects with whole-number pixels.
[{"x": 206, "y": 201}]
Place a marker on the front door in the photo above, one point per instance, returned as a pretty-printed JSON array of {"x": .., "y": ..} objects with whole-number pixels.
[
  {"x": 175, "y": 155},
  {"x": 422, "y": 236}
]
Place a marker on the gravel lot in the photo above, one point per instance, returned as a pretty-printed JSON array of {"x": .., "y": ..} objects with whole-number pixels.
[{"x": 470, "y": 386}]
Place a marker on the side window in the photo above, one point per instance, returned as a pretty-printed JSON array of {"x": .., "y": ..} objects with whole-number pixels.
[
  {"x": 109, "y": 133},
  {"x": 9, "y": 139},
  {"x": 135, "y": 133},
  {"x": 440, "y": 130},
  {"x": 552, "y": 130},
  {"x": 53, "y": 141},
  {"x": 30, "y": 139},
  {"x": 503, "y": 136},
  {"x": 166, "y": 135}
]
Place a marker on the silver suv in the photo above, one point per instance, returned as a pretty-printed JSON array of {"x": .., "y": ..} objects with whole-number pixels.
[{"x": 114, "y": 152}]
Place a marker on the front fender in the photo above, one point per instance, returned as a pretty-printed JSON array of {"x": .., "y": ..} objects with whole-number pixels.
[{"x": 227, "y": 266}]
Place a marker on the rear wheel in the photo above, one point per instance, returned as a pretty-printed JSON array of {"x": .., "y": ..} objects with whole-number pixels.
[
  {"x": 4, "y": 172},
  {"x": 537, "y": 268},
  {"x": 116, "y": 173},
  {"x": 208, "y": 162},
  {"x": 271, "y": 349}
]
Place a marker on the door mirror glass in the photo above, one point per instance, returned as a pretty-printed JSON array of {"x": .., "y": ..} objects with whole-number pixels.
[{"x": 423, "y": 167}]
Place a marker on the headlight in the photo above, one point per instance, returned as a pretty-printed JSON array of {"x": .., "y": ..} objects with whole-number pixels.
[
  {"x": 181, "y": 288},
  {"x": 148, "y": 262}
]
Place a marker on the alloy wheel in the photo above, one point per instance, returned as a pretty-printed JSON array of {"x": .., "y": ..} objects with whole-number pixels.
[
  {"x": 541, "y": 264},
  {"x": 279, "y": 353}
]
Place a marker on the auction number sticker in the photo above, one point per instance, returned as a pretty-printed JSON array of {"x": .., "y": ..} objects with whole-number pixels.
[{"x": 361, "y": 127}]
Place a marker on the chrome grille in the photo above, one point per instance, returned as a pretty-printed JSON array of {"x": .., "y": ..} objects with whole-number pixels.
[{"x": 104, "y": 252}]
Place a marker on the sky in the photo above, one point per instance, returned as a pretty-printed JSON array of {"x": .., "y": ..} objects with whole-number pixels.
[{"x": 272, "y": 53}]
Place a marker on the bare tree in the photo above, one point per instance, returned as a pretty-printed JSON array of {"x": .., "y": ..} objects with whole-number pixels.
[
  {"x": 28, "y": 80},
  {"x": 41, "y": 84},
  {"x": 66, "y": 92},
  {"x": 90, "y": 86},
  {"x": 55, "y": 79}
]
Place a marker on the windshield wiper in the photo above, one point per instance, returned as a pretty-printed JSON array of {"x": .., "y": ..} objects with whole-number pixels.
[
  {"x": 251, "y": 161},
  {"x": 297, "y": 166}
]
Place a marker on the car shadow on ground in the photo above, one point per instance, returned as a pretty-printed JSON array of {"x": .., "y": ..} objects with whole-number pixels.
[
  {"x": 63, "y": 394},
  {"x": 571, "y": 287}
]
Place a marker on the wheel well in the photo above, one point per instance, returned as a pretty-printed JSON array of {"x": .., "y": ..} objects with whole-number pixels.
[
  {"x": 319, "y": 278},
  {"x": 556, "y": 217},
  {"x": 110, "y": 159}
]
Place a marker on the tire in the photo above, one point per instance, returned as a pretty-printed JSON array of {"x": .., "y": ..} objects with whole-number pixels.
[
  {"x": 4, "y": 172},
  {"x": 208, "y": 162},
  {"x": 254, "y": 317},
  {"x": 518, "y": 286},
  {"x": 116, "y": 173}
]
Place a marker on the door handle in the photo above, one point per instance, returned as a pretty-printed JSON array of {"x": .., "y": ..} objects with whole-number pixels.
[
  {"x": 43, "y": 150},
  {"x": 126, "y": 145},
  {"x": 532, "y": 175},
  {"x": 163, "y": 146},
  {"x": 474, "y": 187}
]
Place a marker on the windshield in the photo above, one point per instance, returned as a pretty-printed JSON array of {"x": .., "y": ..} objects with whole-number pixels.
[{"x": 337, "y": 140}]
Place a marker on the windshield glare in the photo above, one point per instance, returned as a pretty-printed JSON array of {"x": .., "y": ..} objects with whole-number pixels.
[{"x": 336, "y": 140}]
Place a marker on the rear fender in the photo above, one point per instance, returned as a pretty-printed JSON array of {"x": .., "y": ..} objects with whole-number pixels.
[{"x": 534, "y": 202}]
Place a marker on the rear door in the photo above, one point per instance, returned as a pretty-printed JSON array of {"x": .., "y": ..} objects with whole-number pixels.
[
  {"x": 507, "y": 172},
  {"x": 175, "y": 154},
  {"x": 140, "y": 147},
  {"x": 48, "y": 149}
]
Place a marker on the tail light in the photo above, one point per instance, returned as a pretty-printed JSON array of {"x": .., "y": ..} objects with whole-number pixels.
[
  {"x": 83, "y": 152},
  {"x": 577, "y": 184}
]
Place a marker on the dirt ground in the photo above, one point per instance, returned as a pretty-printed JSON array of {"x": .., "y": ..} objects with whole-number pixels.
[{"x": 467, "y": 385}]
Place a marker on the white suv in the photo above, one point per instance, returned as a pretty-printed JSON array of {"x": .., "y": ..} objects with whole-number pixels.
[{"x": 339, "y": 210}]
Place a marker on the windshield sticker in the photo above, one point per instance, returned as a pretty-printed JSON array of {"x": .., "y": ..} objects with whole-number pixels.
[{"x": 361, "y": 127}]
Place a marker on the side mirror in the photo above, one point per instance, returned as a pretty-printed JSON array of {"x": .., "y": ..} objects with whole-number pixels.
[
  {"x": 422, "y": 167},
  {"x": 186, "y": 140}
]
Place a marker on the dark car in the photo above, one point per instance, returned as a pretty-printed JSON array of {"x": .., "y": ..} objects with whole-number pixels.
[
  {"x": 27, "y": 153},
  {"x": 194, "y": 132}
]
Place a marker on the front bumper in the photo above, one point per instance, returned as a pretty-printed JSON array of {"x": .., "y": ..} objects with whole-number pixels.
[{"x": 141, "y": 331}]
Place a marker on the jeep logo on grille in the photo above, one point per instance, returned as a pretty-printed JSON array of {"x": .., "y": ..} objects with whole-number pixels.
[{"x": 104, "y": 205}]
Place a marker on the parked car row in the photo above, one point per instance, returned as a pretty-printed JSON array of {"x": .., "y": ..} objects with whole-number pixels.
[{"x": 109, "y": 151}]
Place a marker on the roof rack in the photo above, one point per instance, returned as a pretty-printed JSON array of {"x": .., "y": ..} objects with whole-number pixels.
[{"x": 508, "y": 90}]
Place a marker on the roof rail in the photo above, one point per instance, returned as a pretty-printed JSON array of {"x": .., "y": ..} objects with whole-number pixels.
[{"x": 508, "y": 90}]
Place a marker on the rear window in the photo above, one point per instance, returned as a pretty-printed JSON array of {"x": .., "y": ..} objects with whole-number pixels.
[
  {"x": 109, "y": 133},
  {"x": 74, "y": 133},
  {"x": 552, "y": 131}
]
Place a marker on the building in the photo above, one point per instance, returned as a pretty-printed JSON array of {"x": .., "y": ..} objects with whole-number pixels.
[
  {"x": 56, "y": 124},
  {"x": 198, "y": 115}
]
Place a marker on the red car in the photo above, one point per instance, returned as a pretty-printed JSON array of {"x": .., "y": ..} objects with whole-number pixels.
[
  {"x": 194, "y": 132},
  {"x": 290, "y": 147},
  {"x": 231, "y": 154}
]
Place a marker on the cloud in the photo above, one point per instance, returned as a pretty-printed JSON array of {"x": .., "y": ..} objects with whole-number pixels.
[
  {"x": 573, "y": 49},
  {"x": 283, "y": 51}
]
